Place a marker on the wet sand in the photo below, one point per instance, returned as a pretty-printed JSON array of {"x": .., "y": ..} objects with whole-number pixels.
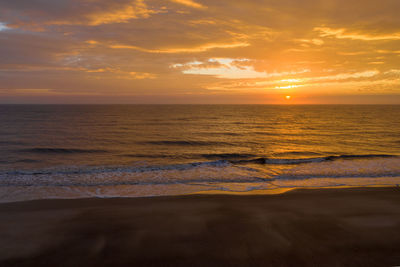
[{"x": 319, "y": 227}]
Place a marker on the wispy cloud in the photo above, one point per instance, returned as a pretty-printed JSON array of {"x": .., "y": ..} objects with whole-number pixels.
[
  {"x": 134, "y": 10},
  {"x": 142, "y": 75},
  {"x": 352, "y": 53},
  {"x": 345, "y": 76},
  {"x": 189, "y": 3},
  {"x": 345, "y": 34},
  {"x": 196, "y": 49},
  {"x": 89, "y": 15},
  {"x": 314, "y": 41},
  {"x": 229, "y": 68}
]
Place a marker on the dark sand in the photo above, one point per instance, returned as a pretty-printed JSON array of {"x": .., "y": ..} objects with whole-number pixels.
[{"x": 324, "y": 227}]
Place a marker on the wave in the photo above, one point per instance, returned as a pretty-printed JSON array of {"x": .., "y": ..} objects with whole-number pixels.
[
  {"x": 222, "y": 170},
  {"x": 172, "y": 179},
  {"x": 284, "y": 161},
  {"x": 185, "y": 143},
  {"x": 244, "y": 158},
  {"x": 364, "y": 156},
  {"x": 344, "y": 175},
  {"x": 12, "y": 143},
  {"x": 19, "y": 161},
  {"x": 151, "y": 156},
  {"x": 297, "y": 153},
  {"x": 51, "y": 150},
  {"x": 111, "y": 169},
  {"x": 212, "y": 156},
  {"x": 84, "y": 183},
  {"x": 27, "y": 161},
  {"x": 196, "y": 172},
  {"x": 228, "y": 156}
]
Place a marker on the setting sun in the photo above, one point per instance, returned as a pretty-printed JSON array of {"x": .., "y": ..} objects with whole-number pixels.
[{"x": 288, "y": 97}]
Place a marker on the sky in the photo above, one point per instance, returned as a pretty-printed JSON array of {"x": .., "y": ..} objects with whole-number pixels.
[{"x": 200, "y": 51}]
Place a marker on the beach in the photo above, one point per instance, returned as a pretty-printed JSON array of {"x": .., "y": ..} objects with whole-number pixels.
[{"x": 304, "y": 227}]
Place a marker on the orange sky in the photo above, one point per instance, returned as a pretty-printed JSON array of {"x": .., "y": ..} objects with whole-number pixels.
[{"x": 205, "y": 51}]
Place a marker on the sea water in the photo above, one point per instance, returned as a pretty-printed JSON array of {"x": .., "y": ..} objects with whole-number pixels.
[{"x": 78, "y": 151}]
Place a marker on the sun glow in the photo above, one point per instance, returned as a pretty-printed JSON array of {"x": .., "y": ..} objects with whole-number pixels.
[
  {"x": 288, "y": 97},
  {"x": 287, "y": 87},
  {"x": 290, "y": 80}
]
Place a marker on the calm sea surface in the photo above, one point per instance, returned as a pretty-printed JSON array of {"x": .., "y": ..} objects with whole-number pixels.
[{"x": 71, "y": 151}]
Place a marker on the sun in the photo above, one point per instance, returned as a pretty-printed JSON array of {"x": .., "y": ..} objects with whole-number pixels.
[{"x": 288, "y": 97}]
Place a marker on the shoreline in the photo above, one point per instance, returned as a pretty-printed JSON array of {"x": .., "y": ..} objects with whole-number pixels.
[
  {"x": 303, "y": 227},
  {"x": 61, "y": 194},
  {"x": 280, "y": 191}
]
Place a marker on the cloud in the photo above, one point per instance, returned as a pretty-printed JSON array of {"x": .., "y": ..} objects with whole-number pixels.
[
  {"x": 352, "y": 53},
  {"x": 134, "y": 10},
  {"x": 341, "y": 83},
  {"x": 388, "y": 51},
  {"x": 376, "y": 63},
  {"x": 142, "y": 75},
  {"x": 346, "y": 76},
  {"x": 344, "y": 34},
  {"x": 314, "y": 41},
  {"x": 37, "y": 16},
  {"x": 229, "y": 68},
  {"x": 189, "y": 3},
  {"x": 196, "y": 49},
  {"x": 3, "y": 26},
  {"x": 393, "y": 71}
]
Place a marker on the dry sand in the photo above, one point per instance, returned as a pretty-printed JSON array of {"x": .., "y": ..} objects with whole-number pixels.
[{"x": 320, "y": 227}]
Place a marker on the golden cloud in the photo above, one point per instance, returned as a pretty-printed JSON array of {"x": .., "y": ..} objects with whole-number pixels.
[
  {"x": 134, "y": 10},
  {"x": 189, "y": 3},
  {"x": 196, "y": 49},
  {"x": 344, "y": 34}
]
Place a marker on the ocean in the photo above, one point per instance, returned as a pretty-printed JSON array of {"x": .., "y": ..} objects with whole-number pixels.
[{"x": 80, "y": 151}]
